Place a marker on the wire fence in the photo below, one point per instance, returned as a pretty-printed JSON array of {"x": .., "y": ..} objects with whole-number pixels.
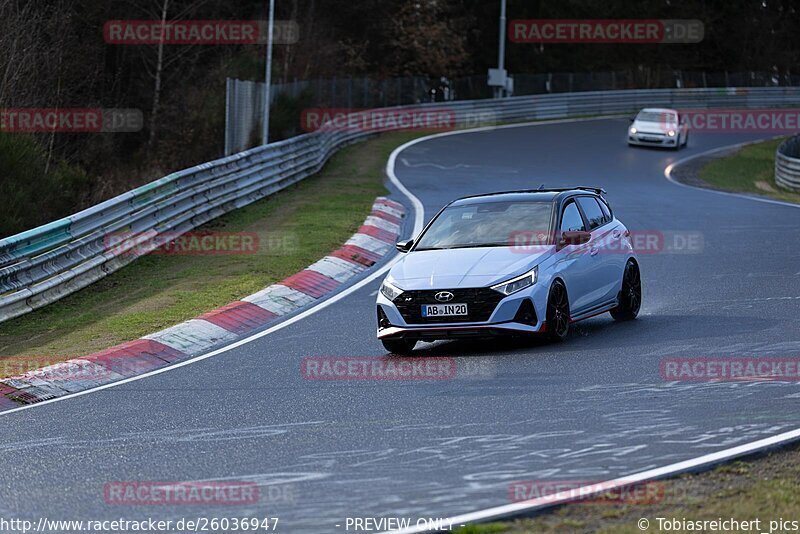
[{"x": 245, "y": 99}]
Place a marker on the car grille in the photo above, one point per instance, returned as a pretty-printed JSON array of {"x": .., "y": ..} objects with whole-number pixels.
[
  {"x": 650, "y": 137},
  {"x": 480, "y": 302}
]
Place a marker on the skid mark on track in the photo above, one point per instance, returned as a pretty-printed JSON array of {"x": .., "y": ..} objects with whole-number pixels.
[
  {"x": 161, "y": 437},
  {"x": 435, "y": 165}
]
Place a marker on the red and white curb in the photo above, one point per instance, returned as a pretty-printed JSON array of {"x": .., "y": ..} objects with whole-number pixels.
[{"x": 375, "y": 239}]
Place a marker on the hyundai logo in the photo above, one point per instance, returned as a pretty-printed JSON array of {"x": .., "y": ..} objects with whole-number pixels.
[{"x": 444, "y": 296}]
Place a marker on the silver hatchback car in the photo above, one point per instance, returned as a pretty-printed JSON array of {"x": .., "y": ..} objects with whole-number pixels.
[{"x": 512, "y": 263}]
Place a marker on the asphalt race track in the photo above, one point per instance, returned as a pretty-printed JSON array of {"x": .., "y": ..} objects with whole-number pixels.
[{"x": 593, "y": 408}]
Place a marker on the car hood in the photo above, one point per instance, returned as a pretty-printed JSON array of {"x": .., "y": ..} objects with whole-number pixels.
[{"x": 465, "y": 267}]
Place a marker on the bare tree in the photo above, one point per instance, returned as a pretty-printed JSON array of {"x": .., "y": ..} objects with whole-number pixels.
[
  {"x": 157, "y": 68},
  {"x": 157, "y": 81}
]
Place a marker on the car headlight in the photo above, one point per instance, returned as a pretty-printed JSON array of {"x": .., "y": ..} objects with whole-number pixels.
[
  {"x": 633, "y": 130},
  {"x": 671, "y": 133},
  {"x": 516, "y": 284},
  {"x": 390, "y": 291}
]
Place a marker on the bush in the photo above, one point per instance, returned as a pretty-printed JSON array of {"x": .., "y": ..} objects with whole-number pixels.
[
  {"x": 31, "y": 196},
  {"x": 285, "y": 113}
]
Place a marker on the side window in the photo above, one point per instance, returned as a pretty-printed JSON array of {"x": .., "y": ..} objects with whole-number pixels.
[
  {"x": 606, "y": 211},
  {"x": 571, "y": 220},
  {"x": 594, "y": 215}
]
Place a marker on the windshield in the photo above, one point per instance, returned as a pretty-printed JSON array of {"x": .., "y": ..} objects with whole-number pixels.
[
  {"x": 656, "y": 116},
  {"x": 490, "y": 224}
]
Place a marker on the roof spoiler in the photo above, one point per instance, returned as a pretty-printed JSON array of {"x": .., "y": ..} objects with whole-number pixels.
[
  {"x": 541, "y": 189},
  {"x": 598, "y": 190}
]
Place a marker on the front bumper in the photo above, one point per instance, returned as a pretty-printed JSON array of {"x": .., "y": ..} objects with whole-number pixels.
[
  {"x": 652, "y": 139},
  {"x": 459, "y": 331},
  {"x": 521, "y": 313}
]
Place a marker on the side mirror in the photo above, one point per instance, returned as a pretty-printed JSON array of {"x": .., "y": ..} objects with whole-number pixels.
[
  {"x": 404, "y": 246},
  {"x": 633, "y": 119},
  {"x": 574, "y": 238}
]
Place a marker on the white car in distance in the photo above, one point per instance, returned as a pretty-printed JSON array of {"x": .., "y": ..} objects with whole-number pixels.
[{"x": 659, "y": 127}]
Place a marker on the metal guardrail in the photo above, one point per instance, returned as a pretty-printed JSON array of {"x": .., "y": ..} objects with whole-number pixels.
[
  {"x": 44, "y": 264},
  {"x": 244, "y": 100},
  {"x": 787, "y": 164}
]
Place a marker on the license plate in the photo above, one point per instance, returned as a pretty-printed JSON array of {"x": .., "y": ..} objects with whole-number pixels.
[{"x": 443, "y": 310}]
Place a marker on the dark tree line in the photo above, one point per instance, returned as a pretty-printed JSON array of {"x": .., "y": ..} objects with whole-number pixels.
[{"x": 53, "y": 54}]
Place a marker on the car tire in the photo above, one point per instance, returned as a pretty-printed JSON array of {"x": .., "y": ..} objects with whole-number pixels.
[
  {"x": 686, "y": 140},
  {"x": 399, "y": 346},
  {"x": 557, "y": 318},
  {"x": 630, "y": 297}
]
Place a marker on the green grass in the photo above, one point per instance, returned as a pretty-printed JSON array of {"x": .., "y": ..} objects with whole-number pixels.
[
  {"x": 157, "y": 291},
  {"x": 485, "y": 528},
  {"x": 765, "y": 488},
  {"x": 749, "y": 170}
]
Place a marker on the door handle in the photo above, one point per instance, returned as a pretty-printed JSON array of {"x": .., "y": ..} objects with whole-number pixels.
[
  {"x": 593, "y": 251},
  {"x": 616, "y": 234}
]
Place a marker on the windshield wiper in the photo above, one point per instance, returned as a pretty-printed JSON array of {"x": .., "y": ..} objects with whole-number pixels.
[
  {"x": 479, "y": 245},
  {"x": 474, "y": 245}
]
